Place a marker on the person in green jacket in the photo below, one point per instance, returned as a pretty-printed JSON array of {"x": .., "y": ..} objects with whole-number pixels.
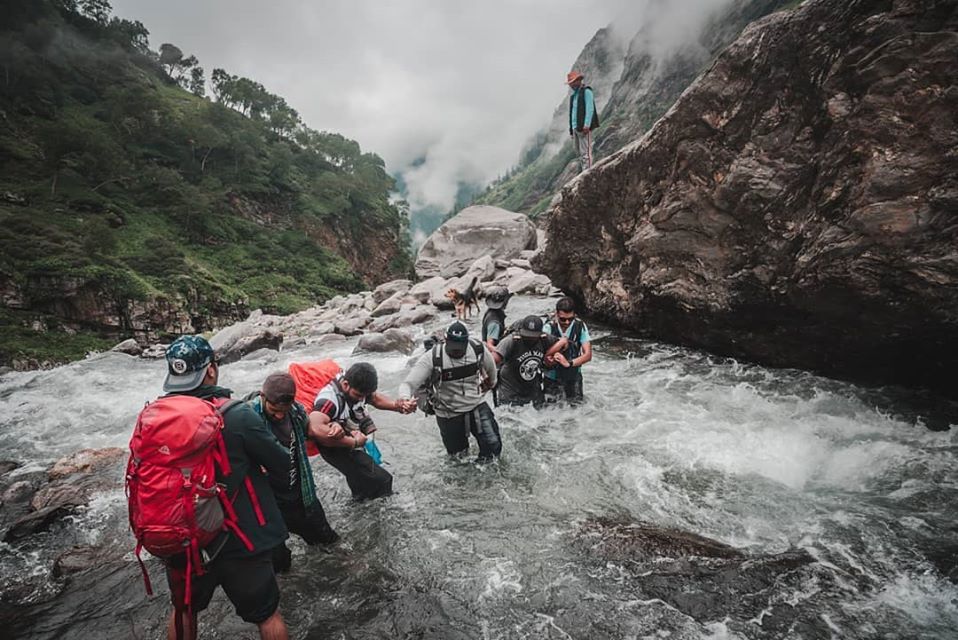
[
  {"x": 295, "y": 490},
  {"x": 246, "y": 576}
]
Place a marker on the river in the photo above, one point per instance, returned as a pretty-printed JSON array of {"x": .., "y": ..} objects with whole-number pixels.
[{"x": 764, "y": 460}]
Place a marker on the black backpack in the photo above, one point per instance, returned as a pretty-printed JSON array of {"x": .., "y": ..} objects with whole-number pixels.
[
  {"x": 574, "y": 350},
  {"x": 426, "y": 394}
]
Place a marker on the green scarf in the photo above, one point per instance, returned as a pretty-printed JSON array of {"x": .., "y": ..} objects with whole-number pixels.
[{"x": 300, "y": 423}]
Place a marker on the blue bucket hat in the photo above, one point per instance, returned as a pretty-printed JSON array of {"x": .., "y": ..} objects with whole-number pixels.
[{"x": 187, "y": 359}]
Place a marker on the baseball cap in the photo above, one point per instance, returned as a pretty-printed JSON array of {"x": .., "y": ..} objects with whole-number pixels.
[
  {"x": 186, "y": 360},
  {"x": 279, "y": 388},
  {"x": 457, "y": 339},
  {"x": 531, "y": 327}
]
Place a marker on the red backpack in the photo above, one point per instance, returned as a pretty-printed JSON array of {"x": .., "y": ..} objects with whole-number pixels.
[
  {"x": 310, "y": 378},
  {"x": 176, "y": 505}
]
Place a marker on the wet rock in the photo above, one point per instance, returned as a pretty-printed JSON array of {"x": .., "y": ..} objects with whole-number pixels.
[
  {"x": 390, "y": 340},
  {"x": 701, "y": 577},
  {"x": 19, "y": 491},
  {"x": 72, "y": 480},
  {"x": 474, "y": 232},
  {"x": 390, "y": 305},
  {"x": 6, "y": 466},
  {"x": 154, "y": 351},
  {"x": 787, "y": 209},
  {"x": 321, "y": 328},
  {"x": 235, "y": 341},
  {"x": 81, "y": 558},
  {"x": 389, "y": 289},
  {"x": 528, "y": 282},
  {"x": 329, "y": 338},
  {"x": 87, "y": 461},
  {"x": 484, "y": 269},
  {"x": 640, "y": 541},
  {"x": 352, "y": 326},
  {"x": 429, "y": 290},
  {"x": 129, "y": 347}
]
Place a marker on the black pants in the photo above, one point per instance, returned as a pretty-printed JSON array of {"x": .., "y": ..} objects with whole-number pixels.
[
  {"x": 366, "y": 479},
  {"x": 309, "y": 524},
  {"x": 481, "y": 423},
  {"x": 249, "y": 583},
  {"x": 570, "y": 387},
  {"x": 507, "y": 398}
]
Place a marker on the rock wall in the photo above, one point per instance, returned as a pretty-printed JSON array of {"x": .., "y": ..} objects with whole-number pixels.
[{"x": 796, "y": 206}]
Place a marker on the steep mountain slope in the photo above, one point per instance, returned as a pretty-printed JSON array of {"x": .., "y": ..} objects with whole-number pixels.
[
  {"x": 131, "y": 206},
  {"x": 636, "y": 78}
]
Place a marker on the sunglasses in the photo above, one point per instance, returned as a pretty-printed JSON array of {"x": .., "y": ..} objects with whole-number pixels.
[{"x": 565, "y": 320}]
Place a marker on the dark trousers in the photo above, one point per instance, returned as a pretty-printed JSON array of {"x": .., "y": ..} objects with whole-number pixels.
[
  {"x": 570, "y": 387},
  {"x": 366, "y": 479},
  {"x": 309, "y": 524},
  {"x": 481, "y": 423}
]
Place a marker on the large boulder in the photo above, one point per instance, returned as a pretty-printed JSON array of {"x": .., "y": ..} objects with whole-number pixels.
[
  {"x": 389, "y": 340},
  {"x": 795, "y": 207},
  {"x": 474, "y": 232}
]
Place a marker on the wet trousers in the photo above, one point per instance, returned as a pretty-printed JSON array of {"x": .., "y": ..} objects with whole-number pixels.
[{"x": 481, "y": 423}]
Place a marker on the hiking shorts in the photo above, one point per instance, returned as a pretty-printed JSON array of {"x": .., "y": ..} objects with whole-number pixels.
[
  {"x": 248, "y": 581},
  {"x": 481, "y": 423}
]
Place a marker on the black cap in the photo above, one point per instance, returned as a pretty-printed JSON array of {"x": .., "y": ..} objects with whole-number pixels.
[
  {"x": 457, "y": 339},
  {"x": 531, "y": 327}
]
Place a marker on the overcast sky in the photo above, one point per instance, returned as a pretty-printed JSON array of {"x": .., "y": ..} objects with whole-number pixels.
[{"x": 464, "y": 84}]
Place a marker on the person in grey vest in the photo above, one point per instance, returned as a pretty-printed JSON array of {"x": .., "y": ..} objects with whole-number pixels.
[
  {"x": 460, "y": 370},
  {"x": 583, "y": 118}
]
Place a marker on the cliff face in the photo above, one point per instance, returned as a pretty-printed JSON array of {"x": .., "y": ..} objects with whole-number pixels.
[
  {"x": 797, "y": 205},
  {"x": 636, "y": 78},
  {"x": 131, "y": 206}
]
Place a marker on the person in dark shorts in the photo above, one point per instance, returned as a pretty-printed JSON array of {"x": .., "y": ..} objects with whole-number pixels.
[
  {"x": 245, "y": 575},
  {"x": 522, "y": 355},
  {"x": 295, "y": 491},
  {"x": 341, "y": 405}
]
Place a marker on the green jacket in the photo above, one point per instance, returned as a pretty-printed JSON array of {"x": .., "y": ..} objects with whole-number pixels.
[{"x": 251, "y": 447}]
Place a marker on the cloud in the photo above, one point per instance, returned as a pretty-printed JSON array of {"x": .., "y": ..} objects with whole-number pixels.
[{"x": 462, "y": 84}]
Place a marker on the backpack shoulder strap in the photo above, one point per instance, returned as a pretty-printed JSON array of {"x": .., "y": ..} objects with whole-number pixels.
[
  {"x": 554, "y": 328},
  {"x": 575, "y": 332},
  {"x": 226, "y": 406},
  {"x": 477, "y": 348}
]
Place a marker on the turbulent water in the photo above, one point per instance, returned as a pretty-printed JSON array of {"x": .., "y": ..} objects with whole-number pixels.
[{"x": 760, "y": 459}]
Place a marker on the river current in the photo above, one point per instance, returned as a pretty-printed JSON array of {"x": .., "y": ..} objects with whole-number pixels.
[{"x": 764, "y": 460}]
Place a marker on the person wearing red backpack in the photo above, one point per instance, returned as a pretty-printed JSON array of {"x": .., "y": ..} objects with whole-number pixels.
[{"x": 240, "y": 562}]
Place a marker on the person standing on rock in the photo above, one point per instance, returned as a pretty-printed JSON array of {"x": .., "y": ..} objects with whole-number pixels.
[
  {"x": 583, "y": 118},
  {"x": 459, "y": 371},
  {"x": 341, "y": 406},
  {"x": 565, "y": 376},
  {"x": 522, "y": 355},
  {"x": 245, "y": 572},
  {"x": 295, "y": 490}
]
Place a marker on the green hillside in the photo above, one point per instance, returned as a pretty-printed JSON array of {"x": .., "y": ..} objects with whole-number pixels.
[{"x": 131, "y": 204}]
